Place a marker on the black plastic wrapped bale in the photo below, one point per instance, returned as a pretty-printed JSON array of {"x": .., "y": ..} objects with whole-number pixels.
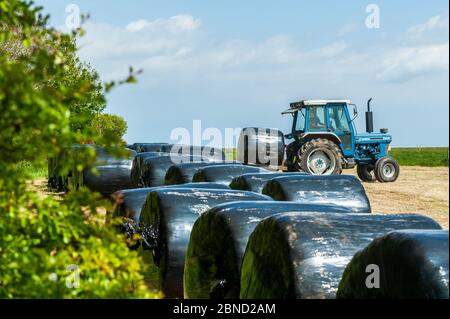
[
  {"x": 303, "y": 255},
  {"x": 153, "y": 147},
  {"x": 410, "y": 264},
  {"x": 261, "y": 146},
  {"x": 255, "y": 182},
  {"x": 128, "y": 203},
  {"x": 138, "y": 163},
  {"x": 342, "y": 190},
  {"x": 113, "y": 173},
  {"x": 154, "y": 169},
  {"x": 206, "y": 152},
  {"x": 218, "y": 241},
  {"x": 183, "y": 173},
  {"x": 224, "y": 173},
  {"x": 168, "y": 216}
]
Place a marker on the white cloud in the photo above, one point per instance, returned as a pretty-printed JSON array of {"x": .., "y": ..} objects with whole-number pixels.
[
  {"x": 405, "y": 63},
  {"x": 434, "y": 23},
  {"x": 346, "y": 29},
  {"x": 177, "y": 45},
  {"x": 175, "y": 24},
  {"x": 333, "y": 49},
  {"x": 136, "y": 26}
]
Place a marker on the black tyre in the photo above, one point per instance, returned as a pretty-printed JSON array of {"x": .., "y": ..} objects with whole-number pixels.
[
  {"x": 366, "y": 172},
  {"x": 320, "y": 157},
  {"x": 387, "y": 170}
]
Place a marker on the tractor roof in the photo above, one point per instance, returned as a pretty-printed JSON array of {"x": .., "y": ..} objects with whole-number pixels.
[{"x": 303, "y": 103}]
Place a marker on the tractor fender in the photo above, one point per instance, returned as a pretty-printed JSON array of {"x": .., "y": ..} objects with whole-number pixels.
[{"x": 305, "y": 137}]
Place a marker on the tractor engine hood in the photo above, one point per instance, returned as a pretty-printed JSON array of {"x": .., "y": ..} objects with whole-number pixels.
[{"x": 374, "y": 137}]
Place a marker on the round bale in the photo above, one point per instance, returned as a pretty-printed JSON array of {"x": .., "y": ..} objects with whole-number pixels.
[
  {"x": 154, "y": 170},
  {"x": 113, "y": 173},
  {"x": 341, "y": 190},
  {"x": 407, "y": 264},
  {"x": 218, "y": 241},
  {"x": 152, "y": 147},
  {"x": 224, "y": 173},
  {"x": 255, "y": 182},
  {"x": 303, "y": 255},
  {"x": 167, "y": 218},
  {"x": 184, "y": 172},
  {"x": 128, "y": 203},
  {"x": 138, "y": 163}
]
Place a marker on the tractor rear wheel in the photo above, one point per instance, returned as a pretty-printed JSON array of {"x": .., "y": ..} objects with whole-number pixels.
[
  {"x": 320, "y": 157},
  {"x": 366, "y": 172},
  {"x": 387, "y": 170}
]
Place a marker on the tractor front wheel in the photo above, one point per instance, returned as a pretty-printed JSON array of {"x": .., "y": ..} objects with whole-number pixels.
[
  {"x": 320, "y": 157},
  {"x": 387, "y": 170},
  {"x": 366, "y": 172}
]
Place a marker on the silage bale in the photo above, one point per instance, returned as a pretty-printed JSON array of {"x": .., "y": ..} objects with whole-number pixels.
[
  {"x": 218, "y": 240},
  {"x": 153, "y": 147},
  {"x": 138, "y": 163},
  {"x": 154, "y": 169},
  {"x": 412, "y": 264},
  {"x": 255, "y": 182},
  {"x": 342, "y": 190},
  {"x": 258, "y": 145},
  {"x": 303, "y": 255},
  {"x": 184, "y": 173},
  {"x": 113, "y": 173},
  {"x": 207, "y": 152},
  {"x": 167, "y": 218},
  {"x": 224, "y": 173},
  {"x": 128, "y": 203}
]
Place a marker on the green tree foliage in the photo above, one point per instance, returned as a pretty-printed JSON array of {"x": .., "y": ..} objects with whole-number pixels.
[
  {"x": 46, "y": 96},
  {"x": 111, "y": 124}
]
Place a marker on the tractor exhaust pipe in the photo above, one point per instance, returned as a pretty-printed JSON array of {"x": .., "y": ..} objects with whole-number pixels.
[{"x": 369, "y": 118}]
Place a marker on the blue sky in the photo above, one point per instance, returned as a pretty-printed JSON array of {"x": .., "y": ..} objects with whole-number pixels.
[{"x": 235, "y": 63}]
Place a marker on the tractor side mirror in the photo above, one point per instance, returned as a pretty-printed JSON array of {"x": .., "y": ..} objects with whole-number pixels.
[{"x": 355, "y": 111}]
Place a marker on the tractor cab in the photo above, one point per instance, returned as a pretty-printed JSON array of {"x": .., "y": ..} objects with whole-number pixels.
[{"x": 328, "y": 119}]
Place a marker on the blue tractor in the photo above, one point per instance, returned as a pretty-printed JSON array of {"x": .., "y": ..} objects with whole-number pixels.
[{"x": 325, "y": 142}]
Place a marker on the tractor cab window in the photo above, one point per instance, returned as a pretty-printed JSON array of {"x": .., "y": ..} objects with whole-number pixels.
[
  {"x": 316, "y": 118},
  {"x": 300, "y": 121},
  {"x": 338, "y": 119}
]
